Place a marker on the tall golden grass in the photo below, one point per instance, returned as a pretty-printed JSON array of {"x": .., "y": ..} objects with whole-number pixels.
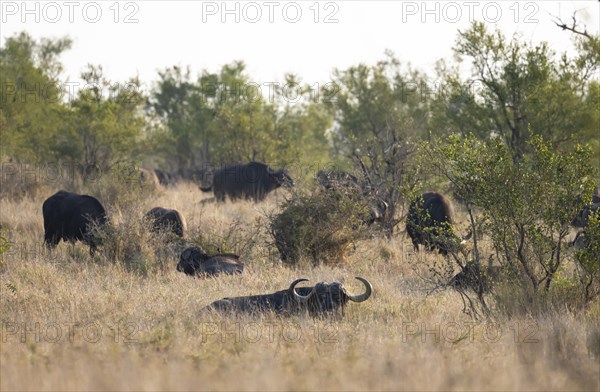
[{"x": 71, "y": 321}]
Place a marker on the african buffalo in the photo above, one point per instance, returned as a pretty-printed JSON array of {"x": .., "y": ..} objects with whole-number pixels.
[
  {"x": 429, "y": 222},
  {"x": 317, "y": 300},
  {"x": 194, "y": 261},
  {"x": 70, "y": 217},
  {"x": 166, "y": 220},
  {"x": 582, "y": 218},
  {"x": 252, "y": 181},
  {"x": 377, "y": 212}
]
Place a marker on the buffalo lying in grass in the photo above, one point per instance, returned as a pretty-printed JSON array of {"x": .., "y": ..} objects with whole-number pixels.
[
  {"x": 194, "y": 261},
  {"x": 321, "y": 299}
]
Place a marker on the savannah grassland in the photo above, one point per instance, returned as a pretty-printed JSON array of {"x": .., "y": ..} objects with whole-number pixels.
[{"x": 71, "y": 321}]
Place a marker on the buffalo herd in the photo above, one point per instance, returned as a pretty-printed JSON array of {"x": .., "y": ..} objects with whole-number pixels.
[{"x": 72, "y": 217}]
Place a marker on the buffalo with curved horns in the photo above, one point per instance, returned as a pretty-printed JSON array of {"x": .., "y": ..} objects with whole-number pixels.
[
  {"x": 250, "y": 181},
  {"x": 429, "y": 222},
  {"x": 70, "y": 217},
  {"x": 317, "y": 300},
  {"x": 166, "y": 220},
  {"x": 194, "y": 261}
]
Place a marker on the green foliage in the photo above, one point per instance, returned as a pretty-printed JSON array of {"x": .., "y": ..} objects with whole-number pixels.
[
  {"x": 319, "y": 227},
  {"x": 380, "y": 110},
  {"x": 4, "y": 246},
  {"x": 223, "y": 117},
  {"x": 525, "y": 206},
  {"x": 106, "y": 126},
  {"x": 516, "y": 87},
  {"x": 96, "y": 127},
  {"x": 31, "y": 112}
]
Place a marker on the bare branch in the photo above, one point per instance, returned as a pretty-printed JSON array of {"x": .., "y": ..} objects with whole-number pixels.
[{"x": 573, "y": 27}]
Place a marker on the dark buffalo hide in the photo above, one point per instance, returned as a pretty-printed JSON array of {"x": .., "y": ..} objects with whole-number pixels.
[
  {"x": 194, "y": 261},
  {"x": 251, "y": 181},
  {"x": 166, "y": 220},
  {"x": 165, "y": 178},
  {"x": 582, "y": 218},
  {"x": 320, "y": 299},
  {"x": 377, "y": 212},
  {"x": 70, "y": 217},
  {"x": 429, "y": 222}
]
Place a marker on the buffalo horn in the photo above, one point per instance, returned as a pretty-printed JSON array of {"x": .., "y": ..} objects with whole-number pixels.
[
  {"x": 299, "y": 298},
  {"x": 364, "y": 296}
]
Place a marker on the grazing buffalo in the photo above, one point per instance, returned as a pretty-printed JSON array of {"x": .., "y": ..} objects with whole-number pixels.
[
  {"x": 70, "y": 217},
  {"x": 251, "y": 181},
  {"x": 166, "y": 220},
  {"x": 194, "y": 261},
  {"x": 317, "y": 300},
  {"x": 429, "y": 222}
]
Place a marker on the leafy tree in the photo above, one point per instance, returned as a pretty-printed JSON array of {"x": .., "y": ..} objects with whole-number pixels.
[
  {"x": 518, "y": 87},
  {"x": 182, "y": 106},
  {"x": 525, "y": 207},
  {"x": 108, "y": 119},
  {"x": 224, "y": 117},
  {"x": 31, "y": 110},
  {"x": 380, "y": 110}
]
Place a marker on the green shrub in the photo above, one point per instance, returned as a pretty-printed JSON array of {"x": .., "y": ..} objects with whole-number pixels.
[
  {"x": 320, "y": 227},
  {"x": 523, "y": 207}
]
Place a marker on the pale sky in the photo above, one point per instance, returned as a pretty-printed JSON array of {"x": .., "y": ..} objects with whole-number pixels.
[{"x": 275, "y": 37}]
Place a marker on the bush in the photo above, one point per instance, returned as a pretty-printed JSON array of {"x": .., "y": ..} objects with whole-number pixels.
[
  {"x": 320, "y": 227},
  {"x": 523, "y": 206},
  {"x": 129, "y": 241}
]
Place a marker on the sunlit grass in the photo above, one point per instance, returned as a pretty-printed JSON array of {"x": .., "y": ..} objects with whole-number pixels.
[{"x": 71, "y": 321}]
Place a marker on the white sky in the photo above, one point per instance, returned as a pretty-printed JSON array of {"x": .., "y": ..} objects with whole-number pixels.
[{"x": 166, "y": 33}]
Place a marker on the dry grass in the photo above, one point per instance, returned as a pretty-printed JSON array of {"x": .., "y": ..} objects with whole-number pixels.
[{"x": 133, "y": 331}]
